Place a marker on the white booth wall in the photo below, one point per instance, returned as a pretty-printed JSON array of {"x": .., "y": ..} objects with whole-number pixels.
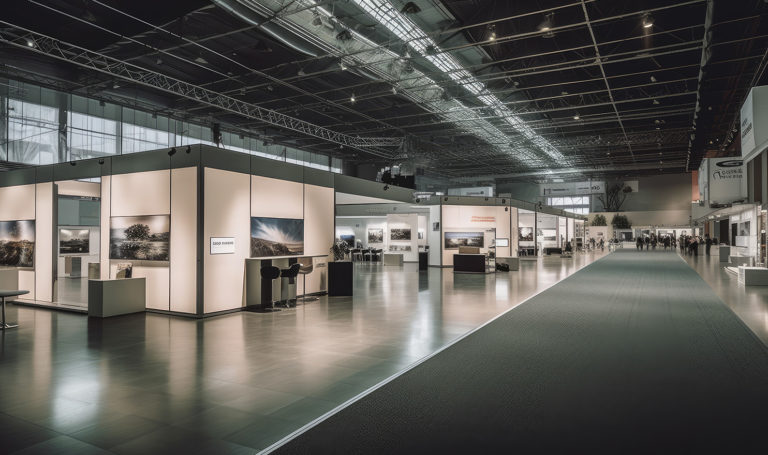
[
  {"x": 170, "y": 285},
  {"x": 473, "y": 218},
  {"x": 408, "y": 221},
  {"x": 33, "y": 202},
  {"x": 231, "y": 199},
  {"x": 79, "y": 189},
  {"x": 746, "y": 238}
]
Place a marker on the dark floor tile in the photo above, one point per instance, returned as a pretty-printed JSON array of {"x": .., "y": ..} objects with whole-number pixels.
[
  {"x": 112, "y": 432},
  {"x": 173, "y": 440},
  {"x": 18, "y": 434},
  {"x": 63, "y": 445}
]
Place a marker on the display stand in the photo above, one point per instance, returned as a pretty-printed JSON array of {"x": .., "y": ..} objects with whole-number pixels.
[
  {"x": 753, "y": 276},
  {"x": 108, "y": 298},
  {"x": 393, "y": 259},
  {"x": 9, "y": 279},
  {"x": 340, "y": 278},
  {"x": 725, "y": 253},
  {"x": 469, "y": 263},
  {"x": 423, "y": 260}
]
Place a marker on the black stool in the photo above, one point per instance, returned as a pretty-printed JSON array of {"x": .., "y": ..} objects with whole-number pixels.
[
  {"x": 305, "y": 270},
  {"x": 288, "y": 284},
  {"x": 268, "y": 274}
]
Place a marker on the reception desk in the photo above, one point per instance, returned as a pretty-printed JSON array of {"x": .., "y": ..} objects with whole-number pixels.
[
  {"x": 469, "y": 263},
  {"x": 316, "y": 281}
]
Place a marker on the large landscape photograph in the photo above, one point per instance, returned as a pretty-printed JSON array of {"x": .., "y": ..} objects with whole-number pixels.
[
  {"x": 454, "y": 240},
  {"x": 400, "y": 234},
  {"x": 140, "y": 238},
  {"x": 74, "y": 241},
  {"x": 525, "y": 234},
  {"x": 376, "y": 235},
  {"x": 276, "y": 237},
  {"x": 17, "y": 243}
]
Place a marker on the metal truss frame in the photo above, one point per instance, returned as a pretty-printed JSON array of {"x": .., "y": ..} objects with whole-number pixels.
[{"x": 32, "y": 41}]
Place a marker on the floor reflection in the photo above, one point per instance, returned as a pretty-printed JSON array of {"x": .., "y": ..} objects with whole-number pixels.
[{"x": 147, "y": 382}]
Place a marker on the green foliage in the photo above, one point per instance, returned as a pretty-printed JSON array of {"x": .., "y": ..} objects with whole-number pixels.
[
  {"x": 137, "y": 232},
  {"x": 621, "y": 222},
  {"x": 599, "y": 220}
]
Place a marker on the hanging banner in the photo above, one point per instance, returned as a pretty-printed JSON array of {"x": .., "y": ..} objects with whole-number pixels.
[
  {"x": 726, "y": 180},
  {"x": 754, "y": 122}
]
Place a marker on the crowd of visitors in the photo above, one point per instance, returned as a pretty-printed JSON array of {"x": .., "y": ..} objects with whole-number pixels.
[{"x": 688, "y": 244}]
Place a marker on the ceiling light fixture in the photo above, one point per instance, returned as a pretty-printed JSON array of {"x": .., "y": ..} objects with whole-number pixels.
[
  {"x": 647, "y": 20},
  {"x": 656, "y": 102},
  {"x": 410, "y": 8},
  {"x": 653, "y": 78},
  {"x": 576, "y": 117},
  {"x": 30, "y": 43},
  {"x": 342, "y": 66},
  {"x": 491, "y": 32},
  {"x": 352, "y": 98},
  {"x": 547, "y": 23}
]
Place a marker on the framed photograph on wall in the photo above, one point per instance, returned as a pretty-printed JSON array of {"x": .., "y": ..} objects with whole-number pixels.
[
  {"x": 277, "y": 237},
  {"x": 400, "y": 234},
  {"x": 453, "y": 240},
  {"x": 74, "y": 241},
  {"x": 525, "y": 234},
  {"x": 17, "y": 243},
  {"x": 140, "y": 238},
  {"x": 376, "y": 235}
]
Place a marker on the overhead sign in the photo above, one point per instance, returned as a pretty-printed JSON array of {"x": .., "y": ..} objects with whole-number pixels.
[
  {"x": 726, "y": 180},
  {"x": 222, "y": 245},
  {"x": 754, "y": 122},
  {"x": 572, "y": 188}
]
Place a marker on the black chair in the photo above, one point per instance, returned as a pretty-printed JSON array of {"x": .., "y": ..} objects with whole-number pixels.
[
  {"x": 268, "y": 274},
  {"x": 288, "y": 284}
]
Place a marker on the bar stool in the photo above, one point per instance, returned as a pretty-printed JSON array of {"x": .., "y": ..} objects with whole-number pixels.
[
  {"x": 268, "y": 274},
  {"x": 305, "y": 270},
  {"x": 288, "y": 284}
]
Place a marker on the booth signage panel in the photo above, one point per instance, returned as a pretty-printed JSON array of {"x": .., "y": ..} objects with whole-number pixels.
[
  {"x": 572, "y": 188},
  {"x": 754, "y": 122},
  {"x": 222, "y": 245},
  {"x": 726, "y": 180}
]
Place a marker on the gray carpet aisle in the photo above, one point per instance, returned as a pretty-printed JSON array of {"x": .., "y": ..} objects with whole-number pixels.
[{"x": 633, "y": 354}]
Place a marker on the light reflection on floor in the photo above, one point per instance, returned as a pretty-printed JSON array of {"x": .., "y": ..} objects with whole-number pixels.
[{"x": 142, "y": 383}]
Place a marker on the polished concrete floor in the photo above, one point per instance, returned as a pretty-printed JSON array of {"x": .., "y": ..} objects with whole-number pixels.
[
  {"x": 750, "y": 303},
  {"x": 236, "y": 383}
]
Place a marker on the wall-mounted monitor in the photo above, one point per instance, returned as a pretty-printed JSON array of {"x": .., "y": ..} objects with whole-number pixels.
[
  {"x": 140, "y": 238},
  {"x": 74, "y": 242},
  {"x": 501, "y": 242},
  {"x": 17, "y": 243},
  {"x": 276, "y": 237},
  {"x": 455, "y": 240}
]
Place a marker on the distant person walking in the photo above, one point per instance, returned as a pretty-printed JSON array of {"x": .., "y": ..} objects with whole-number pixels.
[
  {"x": 708, "y": 243},
  {"x": 639, "y": 243}
]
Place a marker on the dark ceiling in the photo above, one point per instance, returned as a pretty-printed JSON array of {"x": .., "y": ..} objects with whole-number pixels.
[{"x": 655, "y": 99}]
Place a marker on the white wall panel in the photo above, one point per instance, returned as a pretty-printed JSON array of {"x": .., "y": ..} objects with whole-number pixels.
[
  {"x": 75, "y": 188},
  {"x": 44, "y": 242},
  {"x": 17, "y": 203},
  {"x": 226, "y": 206},
  {"x": 275, "y": 198},
  {"x": 141, "y": 193},
  {"x": 105, "y": 213},
  {"x": 318, "y": 220},
  {"x": 184, "y": 240}
]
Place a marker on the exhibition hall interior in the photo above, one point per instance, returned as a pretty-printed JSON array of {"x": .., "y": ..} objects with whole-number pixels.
[{"x": 383, "y": 226}]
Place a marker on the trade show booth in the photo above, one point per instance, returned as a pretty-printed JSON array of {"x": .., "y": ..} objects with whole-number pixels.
[{"x": 187, "y": 221}]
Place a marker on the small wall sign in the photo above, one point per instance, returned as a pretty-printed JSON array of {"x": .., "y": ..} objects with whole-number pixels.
[{"x": 222, "y": 245}]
